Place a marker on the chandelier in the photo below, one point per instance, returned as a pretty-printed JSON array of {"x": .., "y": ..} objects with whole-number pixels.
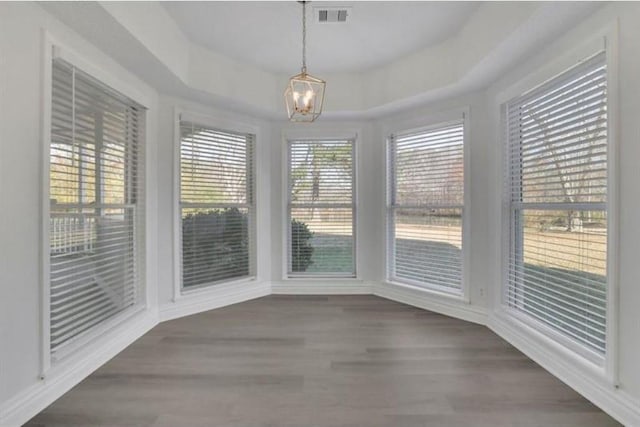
[{"x": 304, "y": 94}]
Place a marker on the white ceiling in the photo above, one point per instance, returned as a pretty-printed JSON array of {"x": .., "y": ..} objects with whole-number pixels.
[
  {"x": 496, "y": 37},
  {"x": 268, "y": 34}
]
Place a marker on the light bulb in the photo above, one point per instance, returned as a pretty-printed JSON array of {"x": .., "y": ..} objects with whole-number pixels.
[{"x": 308, "y": 97}]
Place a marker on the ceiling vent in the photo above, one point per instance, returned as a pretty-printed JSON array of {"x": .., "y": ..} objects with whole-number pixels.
[{"x": 326, "y": 15}]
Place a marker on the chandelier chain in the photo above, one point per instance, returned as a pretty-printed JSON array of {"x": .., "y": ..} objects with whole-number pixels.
[{"x": 304, "y": 36}]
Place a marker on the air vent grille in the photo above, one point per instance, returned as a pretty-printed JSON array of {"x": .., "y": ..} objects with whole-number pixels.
[{"x": 327, "y": 15}]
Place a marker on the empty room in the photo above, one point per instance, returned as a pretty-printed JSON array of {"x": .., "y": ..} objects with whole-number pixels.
[{"x": 319, "y": 214}]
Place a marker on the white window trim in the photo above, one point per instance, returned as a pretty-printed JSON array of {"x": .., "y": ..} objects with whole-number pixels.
[
  {"x": 215, "y": 122},
  {"x": 55, "y": 47},
  {"x": 315, "y": 135},
  {"x": 424, "y": 123},
  {"x": 606, "y": 367}
]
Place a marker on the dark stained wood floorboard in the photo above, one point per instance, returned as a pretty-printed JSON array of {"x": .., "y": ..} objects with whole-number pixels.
[{"x": 321, "y": 361}]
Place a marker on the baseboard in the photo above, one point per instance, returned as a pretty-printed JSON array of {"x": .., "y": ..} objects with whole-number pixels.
[
  {"x": 21, "y": 408},
  {"x": 214, "y": 297},
  {"x": 436, "y": 303},
  {"x": 602, "y": 393},
  {"x": 315, "y": 287}
]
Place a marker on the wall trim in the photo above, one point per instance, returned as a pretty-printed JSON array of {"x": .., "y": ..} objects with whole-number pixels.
[
  {"x": 25, "y": 405},
  {"x": 449, "y": 306},
  {"x": 319, "y": 287},
  {"x": 597, "y": 389},
  {"x": 216, "y": 297}
]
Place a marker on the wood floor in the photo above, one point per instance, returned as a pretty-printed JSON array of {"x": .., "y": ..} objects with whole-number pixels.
[{"x": 321, "y": 361}]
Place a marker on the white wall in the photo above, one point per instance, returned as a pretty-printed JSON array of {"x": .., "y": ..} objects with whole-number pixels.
[{"x": 22, "y": 148}]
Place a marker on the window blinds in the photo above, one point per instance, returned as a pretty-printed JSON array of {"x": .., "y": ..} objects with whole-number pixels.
[
  {"x": 557, "y": 188},
  {"x": 426, "y": 204},
  {"x": 321, "y": 208},
  {"x": 96, "y": 204},
  {"x": 216, "y": 204}
]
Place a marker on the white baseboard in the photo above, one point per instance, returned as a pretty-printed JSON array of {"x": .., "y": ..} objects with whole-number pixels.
[
  {"x": 315, "y": 287},
  {"x": 213, "y": 297},
  {"x": 438, "y": 304},
  {"x": 21, "y": 408},
  {"x": 602, "y": 393}
]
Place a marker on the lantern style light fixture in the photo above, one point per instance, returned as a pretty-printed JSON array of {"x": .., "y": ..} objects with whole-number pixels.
[{"x": 304, "y": 94}]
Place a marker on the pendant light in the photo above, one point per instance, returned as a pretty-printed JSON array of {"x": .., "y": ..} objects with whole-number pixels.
[{"x": 304, "y": 94}]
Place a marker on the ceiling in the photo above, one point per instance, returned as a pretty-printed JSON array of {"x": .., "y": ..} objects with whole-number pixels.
[
  {"x": 268, "y": 34},
  {"x": 144, "y": 38}
]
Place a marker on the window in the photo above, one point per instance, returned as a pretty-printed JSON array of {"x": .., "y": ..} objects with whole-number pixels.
[
  {"x": 426, "y": 207},
  {"x": 321, "y": 208},
  {"x": 556, "y": 271},
  {"x": 216, "y": 204},
  {"x": 96, "y": 217}
]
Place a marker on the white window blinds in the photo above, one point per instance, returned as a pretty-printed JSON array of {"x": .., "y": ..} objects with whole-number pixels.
[
  {"x": 426, "y": 206},
  {"x": 321, "y": 208},
  {"x": 557, "y": 190},
  {"x": 96, "y": 204},
  {"x": 216, "y": 204}
]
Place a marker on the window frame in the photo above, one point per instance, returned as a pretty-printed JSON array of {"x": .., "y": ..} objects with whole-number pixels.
[
  {"x": 219, "y": 123},
  {"x": 425, "y": 123},
  {"x": 311, "y": 136},
  {"x": 54, "y": 48},
  {"x": 604, "y": 364}
]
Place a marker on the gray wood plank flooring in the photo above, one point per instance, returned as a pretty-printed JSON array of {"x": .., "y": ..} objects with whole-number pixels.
[{"x": 321, "y": 361}]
